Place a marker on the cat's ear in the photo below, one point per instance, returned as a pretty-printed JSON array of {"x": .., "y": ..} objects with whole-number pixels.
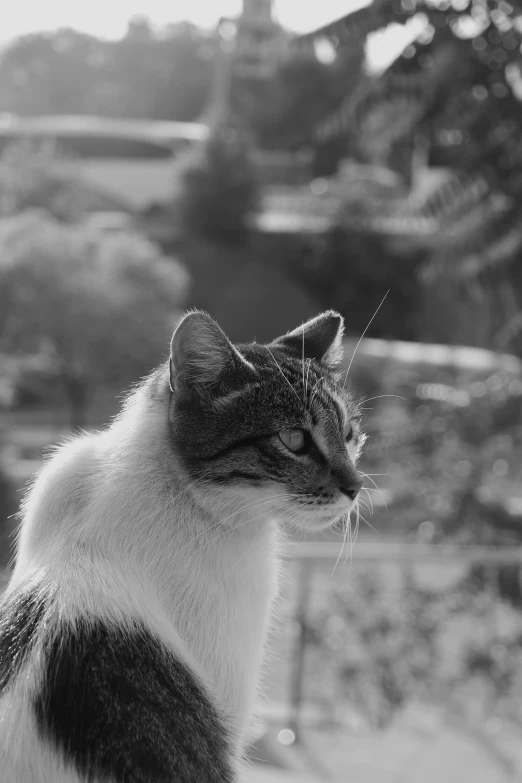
[
  {"x": 321, "y": 339},
  {"x": 202, "y": 358}
]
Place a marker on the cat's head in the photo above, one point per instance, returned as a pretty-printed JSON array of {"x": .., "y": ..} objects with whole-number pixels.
[{"x": 268, "y": 424}]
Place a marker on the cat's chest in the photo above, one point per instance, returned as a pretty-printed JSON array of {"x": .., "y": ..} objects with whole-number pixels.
[
  {"x": 234, "y": 602},
  {"x": 227, "y": 627}
]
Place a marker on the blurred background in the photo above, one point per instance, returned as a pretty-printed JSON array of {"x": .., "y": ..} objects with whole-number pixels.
[{"x": 265, "y": 161}]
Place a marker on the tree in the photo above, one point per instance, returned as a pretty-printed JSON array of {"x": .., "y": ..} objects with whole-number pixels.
[
  {"x": 41, "y": 175},
  {"x": 36, "y": 175},
  {"x": 350, "y": 270},
  {"x": 219, "y": 190},
  {"x": 450, "y": 430},
  {"x": 44, "y": 73},
  {"x": 99, "y": 306},
  {"x": 164, "y": 74},
  {"x": 456, "y": 89},
  {"x": 284, "y": 112}
]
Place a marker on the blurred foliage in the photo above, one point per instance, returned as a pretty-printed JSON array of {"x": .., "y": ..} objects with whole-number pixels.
[
  {"x": 218, "y": 190},
  {"x": 302, "y": 91},
  {"x": 284, "y": 112},
  {"x": 382, "y": 640},
  {"x": 169, "y": 73},
  {"x": 456, "y": 83},
  {"x": 36, "y": 175},
  {"x": 451, "y": 443},
  {"x": 455, "y": 93},
  {"x": 99, "y": 307},
  {"x": 165, "y": 74},
  {"x": 350, "y": 271}
]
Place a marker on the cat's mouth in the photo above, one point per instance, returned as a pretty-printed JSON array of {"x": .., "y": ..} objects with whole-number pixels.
[{"x": 321, "y": 516}]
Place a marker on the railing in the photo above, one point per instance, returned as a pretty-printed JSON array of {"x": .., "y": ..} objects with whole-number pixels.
[
  {"x": 308, "y": 557},
  {"x": 310, "y": 552}
]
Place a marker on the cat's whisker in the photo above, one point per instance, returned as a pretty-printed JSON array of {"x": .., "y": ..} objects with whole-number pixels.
[
  {"x": 375, "y": 489},
  {"x": 307, "y": 378},
  {"x": 345, "y": 536},
  {"x": 379, "y": 492},
  {"x": 290, "y": 514},
  {"x": 259, "y": 502},
  {"x": 315, "y": 390},
  {"x": 240, "y": 510},
  {"x": 247, "y": 551},
  {"x": 368, "y": 476},
  {"x": 303, "y": 366},
  {"x": 289, "y": 496},
  {"x": 381, "y": 396},
  {"x": 228, "y": 531},
  {"x": 316, "y": 384},
  {"x": 274, "y": 512},
  {"x": 281, "y": 371},
  {"x": 362, "y": 335},
  {"x": 353, "y": 536},
  {"x": 290, "y": 519},
  {"x": 367, "y": 523},
  {"x": 189, "y": 486},
  {"x": 369, "y": 497},
  {"x": 349, "y": 540}
]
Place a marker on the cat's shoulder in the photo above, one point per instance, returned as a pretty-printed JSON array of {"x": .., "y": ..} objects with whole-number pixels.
[
  {"x": 57, "y": 497},
  {"x": 108, "y": 700}
]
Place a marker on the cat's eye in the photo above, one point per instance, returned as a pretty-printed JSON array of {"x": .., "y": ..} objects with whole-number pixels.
[
  {"x": 294, "y": 440},
  {"x": 349, "y": 434}
]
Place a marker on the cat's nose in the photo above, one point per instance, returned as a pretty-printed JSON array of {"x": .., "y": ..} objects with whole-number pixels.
[{"x": 352, "y": 489}]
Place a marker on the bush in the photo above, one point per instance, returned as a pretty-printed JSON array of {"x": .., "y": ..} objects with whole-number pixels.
[
  {"x": 98, "y": 307},
  {"x": 219, "y": 190},
  {"x": 35, "y": 175},
  {"x": 350, "y": 270},
  {"x": 378, "y": 641}
]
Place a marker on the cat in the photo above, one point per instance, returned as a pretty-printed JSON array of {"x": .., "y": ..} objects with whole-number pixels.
[{"x": 133, "y": 628}]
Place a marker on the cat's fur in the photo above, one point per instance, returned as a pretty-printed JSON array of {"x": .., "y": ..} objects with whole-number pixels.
[{"x": 132, "y": 631}]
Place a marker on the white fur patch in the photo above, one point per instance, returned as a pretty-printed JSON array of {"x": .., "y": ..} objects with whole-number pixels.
[{"x": 116, "y": 528}]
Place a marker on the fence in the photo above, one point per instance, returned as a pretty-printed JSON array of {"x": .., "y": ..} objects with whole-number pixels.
[{"x": 409, "y": 561}]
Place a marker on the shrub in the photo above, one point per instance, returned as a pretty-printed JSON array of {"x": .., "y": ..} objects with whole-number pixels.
[
  {"x": 98, "y": 306},
  {"x": 219, "y": 191}
]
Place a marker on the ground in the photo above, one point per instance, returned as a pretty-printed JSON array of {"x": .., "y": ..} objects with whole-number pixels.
[{"x": 422, "y": 744}]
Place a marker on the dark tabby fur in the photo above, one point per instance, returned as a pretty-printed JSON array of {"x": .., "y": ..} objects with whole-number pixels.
[{"x": 237, "y": 445}]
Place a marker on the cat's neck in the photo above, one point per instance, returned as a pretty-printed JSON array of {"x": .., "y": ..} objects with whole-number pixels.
[{"x": 228, "y": 579}]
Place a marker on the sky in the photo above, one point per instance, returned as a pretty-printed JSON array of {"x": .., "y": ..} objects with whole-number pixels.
[{"x": 108, "y": 18}]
